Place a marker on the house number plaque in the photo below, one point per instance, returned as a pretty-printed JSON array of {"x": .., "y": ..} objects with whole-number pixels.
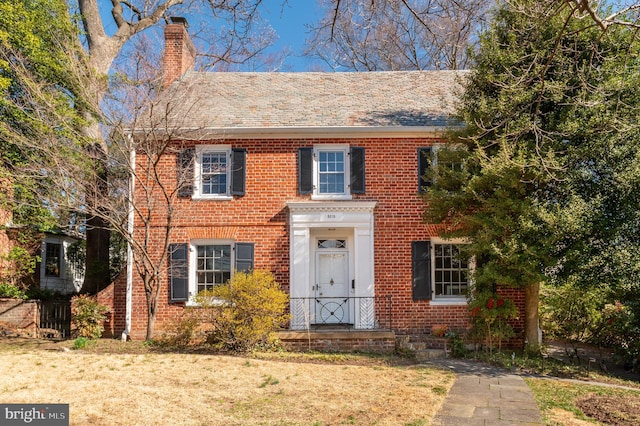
[{"x": 332, "y": 217}]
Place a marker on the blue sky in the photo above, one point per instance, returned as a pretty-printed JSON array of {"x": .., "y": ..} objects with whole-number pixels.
[
  {"x": 289, "y": 22},
  {"x": 287, "y": 17}
]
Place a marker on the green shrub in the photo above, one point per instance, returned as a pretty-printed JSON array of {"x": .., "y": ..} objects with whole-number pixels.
[
  {"x": 571, "y": 311},
  {"x": 456, "y": 344},
  {"x": 80, "y": 343},
  {"x": 244, "y": 313},
  {"x": 619, "y": 329},
  {"x": 11, "y": 291},
  {"x": 19, "y": 264},
  {"x": 490, "y": 315},
  {"x": 37, "y": 293},
  {"x": 87, "y": 317}
]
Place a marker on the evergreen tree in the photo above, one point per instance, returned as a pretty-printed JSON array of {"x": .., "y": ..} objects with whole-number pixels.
[{"x": 549, "y": 184}]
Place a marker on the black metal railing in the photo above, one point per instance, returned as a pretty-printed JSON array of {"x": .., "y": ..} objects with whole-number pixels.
[{"x": 361, "y": 313}]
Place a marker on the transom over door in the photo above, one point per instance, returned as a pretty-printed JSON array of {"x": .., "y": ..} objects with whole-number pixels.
[{"x": 332, "y": 288}]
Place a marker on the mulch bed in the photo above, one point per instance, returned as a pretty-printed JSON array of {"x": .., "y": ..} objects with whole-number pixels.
[{"x": 612, "y": 410}]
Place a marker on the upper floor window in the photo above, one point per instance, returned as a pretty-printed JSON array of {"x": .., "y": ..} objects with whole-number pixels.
[
  {"x": 331, "y": 171},
  {"x": 425, "y": 159},
  {"x": 53, "y": 258},
  {"x": 211, "y": 171},
  {"x": 433, "y": 156}
]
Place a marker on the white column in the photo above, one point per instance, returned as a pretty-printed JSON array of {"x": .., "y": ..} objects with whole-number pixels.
[
  {"x": 299, "y": 286},
  {"x": 364, "y": 276}
]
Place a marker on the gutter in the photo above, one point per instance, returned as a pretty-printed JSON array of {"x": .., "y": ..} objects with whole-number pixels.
[
  {"x": 130, "y": 217},
  {"x": 343, "y": 132}
]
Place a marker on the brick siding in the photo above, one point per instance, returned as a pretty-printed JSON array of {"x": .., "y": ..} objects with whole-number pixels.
[
  {"x": 261, "y": 217},
  {"x": 19, "y": 316}
]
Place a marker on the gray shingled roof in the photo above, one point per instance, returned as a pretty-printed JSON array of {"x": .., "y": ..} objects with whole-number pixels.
[{"x": 218, "y": 100}]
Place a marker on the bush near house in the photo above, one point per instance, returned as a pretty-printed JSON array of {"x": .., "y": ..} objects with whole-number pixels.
[
  {"x": 239, "y": 316},
  {"x": 87, "y": 317},
  {"x": 10, "y": 291},
  {"x": 490, "y": 315}
]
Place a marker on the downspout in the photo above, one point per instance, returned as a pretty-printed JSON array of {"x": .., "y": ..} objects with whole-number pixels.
[{"x": 130, "y": 217}]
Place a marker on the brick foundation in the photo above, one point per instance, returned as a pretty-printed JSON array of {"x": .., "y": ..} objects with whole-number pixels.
[{"x": 338, "y": 341}]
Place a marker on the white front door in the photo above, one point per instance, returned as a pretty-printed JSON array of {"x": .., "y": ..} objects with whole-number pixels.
[{"x": 332, "y": 304}]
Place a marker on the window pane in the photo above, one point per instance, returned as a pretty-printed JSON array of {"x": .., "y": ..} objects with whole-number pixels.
[
  {"x": 214, "y": 173},
  {"x": 331, "y": 169},
  {"x": 213, "y": 265},
  {"x": 52, "y": 261},
  {"x": 451, "y": 273}
]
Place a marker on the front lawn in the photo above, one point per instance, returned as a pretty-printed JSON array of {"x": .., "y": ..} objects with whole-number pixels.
[{"x": 142, "y": 387}]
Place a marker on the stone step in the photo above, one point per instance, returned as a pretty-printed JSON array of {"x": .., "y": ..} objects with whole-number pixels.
[{"x": 429, "y": 354}]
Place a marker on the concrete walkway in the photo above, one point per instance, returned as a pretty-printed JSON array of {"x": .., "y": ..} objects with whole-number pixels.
[{"x": 485, "y": 395}]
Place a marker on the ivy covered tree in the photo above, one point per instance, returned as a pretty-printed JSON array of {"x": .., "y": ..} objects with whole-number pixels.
[
  {"x": 549, "y": 183},
  {"x": 37, "y": 38}
]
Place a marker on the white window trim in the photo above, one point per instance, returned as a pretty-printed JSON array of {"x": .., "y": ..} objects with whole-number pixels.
[
  {"x": 193, "y": 264},
  {"x": 316, "y": 172},
  {"x": 197, "y": 184},
  {"x": 447, "y": 300}
]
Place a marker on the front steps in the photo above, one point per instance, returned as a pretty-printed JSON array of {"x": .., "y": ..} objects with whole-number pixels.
[{"x": 425, "y": 348}]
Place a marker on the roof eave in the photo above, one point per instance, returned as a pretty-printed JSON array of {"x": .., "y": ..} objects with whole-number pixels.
[{"x": 342, "y": 132}]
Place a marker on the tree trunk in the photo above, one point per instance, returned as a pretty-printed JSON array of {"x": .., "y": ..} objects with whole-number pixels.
[
  {"x": 151, "y": 292},
  {"x": 151, "y": 323},
  {"x": 97, "y": 271},
  {"x": 531, "y": 320}
]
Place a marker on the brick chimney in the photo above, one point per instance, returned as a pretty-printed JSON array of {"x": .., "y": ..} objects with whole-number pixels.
[{"x": 179, "y": 52}]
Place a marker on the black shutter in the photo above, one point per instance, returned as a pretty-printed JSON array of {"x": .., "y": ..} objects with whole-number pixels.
[
  {"x": 186, "y": 160},
  {"x": 305, "y": 170},
  {"x": 421, "y": 270},
  {"x": 244, "y": 257},
  {"x": 238, "y": 168},
  {"x": 357, "y": 170},
  {"x": 179, "y": 272},
  {"x": 424, "y": 162}
]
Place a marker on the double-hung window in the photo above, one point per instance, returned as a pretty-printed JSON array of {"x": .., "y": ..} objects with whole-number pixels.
[
  {"x": 331, "y": 171},
  {"x": 451, "y": 272},
  {"x": 53, "y": 259},
  {"x": 204, "y": 264},
  {"x": 332, "y": 168},
  {"x": 211, "y": 172},
  {"x": 439, "y": 272},
  {"x": 213, "y": 265},
  {"x": 428, "y": 157}
]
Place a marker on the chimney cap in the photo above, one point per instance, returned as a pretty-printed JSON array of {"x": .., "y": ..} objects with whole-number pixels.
[{"x": 179, "y": 20}]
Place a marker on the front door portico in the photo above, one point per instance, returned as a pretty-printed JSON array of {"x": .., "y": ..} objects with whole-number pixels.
[{"x": 332, "y": 263}]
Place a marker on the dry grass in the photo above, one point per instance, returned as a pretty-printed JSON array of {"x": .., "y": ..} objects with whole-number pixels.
[{"x": 107, "y": 388}]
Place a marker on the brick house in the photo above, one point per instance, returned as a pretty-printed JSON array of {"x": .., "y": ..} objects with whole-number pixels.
[{"x": 317, "y": 178}]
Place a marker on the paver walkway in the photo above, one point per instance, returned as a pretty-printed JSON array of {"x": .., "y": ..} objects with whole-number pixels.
[{"x": 486, "y": 395}]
